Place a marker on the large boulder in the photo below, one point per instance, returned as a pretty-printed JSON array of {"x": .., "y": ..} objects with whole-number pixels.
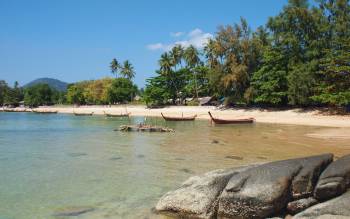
[
  {"x": 335, "y": 208},
  {"x": 197, "y": 197},
  {"x": 304, "y": 182},
  {"x": 265, "y": 190},
  {"x": 334, "y": 180}
]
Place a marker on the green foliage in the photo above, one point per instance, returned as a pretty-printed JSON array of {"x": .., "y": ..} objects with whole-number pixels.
[
  {"x": 10, "y": 96},
  {"x": 37, "y": 95},
  {"x": 90, "y": 92},
  {"x": 333, "y": 77},
  {"x": 122, "y": 90},
  {"x": 300, "y": 85},
  {"x": 75, "y": 94},
  {"x": 3, "y": 90},
  {"x": 156, "y": 93}
]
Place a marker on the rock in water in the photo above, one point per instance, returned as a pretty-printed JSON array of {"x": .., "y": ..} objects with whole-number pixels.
[
  {"x": 335, "y": 208},
  {"x": 265, "y": 190},
  {"x": 197, "y": 197},
  {"x": 334, "y": 180}
]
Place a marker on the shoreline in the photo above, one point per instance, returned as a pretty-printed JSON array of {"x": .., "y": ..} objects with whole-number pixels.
[{"x": 287, "y": 117}]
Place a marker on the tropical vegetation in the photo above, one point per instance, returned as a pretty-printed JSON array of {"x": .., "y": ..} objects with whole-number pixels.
[{"x": 301, "y": 57}]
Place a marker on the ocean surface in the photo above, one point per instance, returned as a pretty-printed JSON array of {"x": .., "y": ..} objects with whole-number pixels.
[{"x": 55, "y": 164}]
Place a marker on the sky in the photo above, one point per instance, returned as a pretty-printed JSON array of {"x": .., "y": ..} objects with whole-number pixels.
[{"x": 74, "y": 40}]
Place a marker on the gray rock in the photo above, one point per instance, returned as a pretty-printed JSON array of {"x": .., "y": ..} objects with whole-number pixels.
[
  {"x": 335, "y": 208},
  {"x": 334, "y": 180},
  {"x": 265, "y": 190},
  {"x": 197, "y": 197},
  {"x": 297, "y": 206},
  {"x": 304, "y": 183}
]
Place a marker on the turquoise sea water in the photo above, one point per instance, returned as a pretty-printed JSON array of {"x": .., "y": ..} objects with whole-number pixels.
[{"x": 52, "y": 163}]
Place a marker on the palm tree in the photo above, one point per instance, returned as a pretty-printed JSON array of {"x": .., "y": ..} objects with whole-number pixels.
[
  {"x": 191, "y": 57},
  {"x": 127, "y": 70},
  {"x": 166, "y": 63},
  {"x": 210, "y": 53},
  {"x": 176, "y": 54},
  {"x": 115, "y": 66}
]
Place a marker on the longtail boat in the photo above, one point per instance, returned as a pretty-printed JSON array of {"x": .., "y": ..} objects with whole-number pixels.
[
  {"x": 116, "y": 115},
  {"x": 9, "y": 110},
  {"x": 231, "y": 121},
  {"x": 44, "y": 111},
  {"x": 83, "y": 114},
  {"x": 187, "y": 118}
]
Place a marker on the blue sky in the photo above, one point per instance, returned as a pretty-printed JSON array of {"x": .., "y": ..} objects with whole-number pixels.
[{"x": 74, "y": 40}]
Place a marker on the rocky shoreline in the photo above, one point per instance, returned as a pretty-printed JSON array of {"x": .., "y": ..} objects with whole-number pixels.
[{"x": 309, "y": 187}]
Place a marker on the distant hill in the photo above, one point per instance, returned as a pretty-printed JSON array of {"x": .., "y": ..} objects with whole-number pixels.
[{"x": 53, "y": 83}]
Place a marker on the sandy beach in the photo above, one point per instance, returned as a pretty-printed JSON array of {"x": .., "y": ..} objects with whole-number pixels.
[{"x": 291, "y": 116}]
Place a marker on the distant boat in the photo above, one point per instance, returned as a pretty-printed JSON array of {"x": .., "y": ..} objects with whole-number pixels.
[
  {"x": 116, "y": 115},
  {"x": 186, "y": 118},
  {"x": 8, "y": 110},
  {"x": 44, "y": 111},
  {"x": 231, "y": 121},
  {"x": 83, "y": 114}
]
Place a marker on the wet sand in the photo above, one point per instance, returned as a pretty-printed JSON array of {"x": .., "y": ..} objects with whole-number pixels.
[
  {"x": 291, "y": 117},
  {"x": 339, "y": 124}
]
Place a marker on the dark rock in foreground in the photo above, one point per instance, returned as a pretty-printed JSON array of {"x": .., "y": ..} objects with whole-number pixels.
[
  {"x": 265, "y": 190},
  {"x": 335, "y": 208},
  {"x": 334, "y": 180},
  {"x": 269, "y": 190},
  {"x": 300, "y": 205},
  {"x": 197, "y": 196}
]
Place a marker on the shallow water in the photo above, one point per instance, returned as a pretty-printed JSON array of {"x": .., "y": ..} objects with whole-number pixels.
[{"x": 50, "y": 164}]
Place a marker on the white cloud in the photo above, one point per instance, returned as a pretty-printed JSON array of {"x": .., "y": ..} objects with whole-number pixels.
[
  {"x": 155, "y": 46},
  {"x": 177, "y": 34},
  {"x": 196, "y": 37}
]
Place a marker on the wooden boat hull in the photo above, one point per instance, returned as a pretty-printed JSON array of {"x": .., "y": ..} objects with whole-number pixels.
[
  {"x": 83, "y": 114},
  {"x": 233, "y": 121},
  {"x": 167, "y": 118},
  {"x": 42, "y": 112},
  {"x": 117, "y": 115}
]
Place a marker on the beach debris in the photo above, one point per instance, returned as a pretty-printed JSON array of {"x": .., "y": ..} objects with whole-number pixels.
[
  {"x": 143, "y": 128},
  {"x": 234, "y": 157},
  {"x": 215, "y": 141},
  {"x": 115, "y": 158},
  {"x": 186, "y": 170},
  {"x": 77, "y": 154},
  {"x": 72, "y": 211}
]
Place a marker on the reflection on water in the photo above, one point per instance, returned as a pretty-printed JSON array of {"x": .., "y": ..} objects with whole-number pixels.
[{"x": 54, "y": 165}]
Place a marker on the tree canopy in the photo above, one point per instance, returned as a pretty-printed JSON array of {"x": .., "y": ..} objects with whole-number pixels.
[{"x": 301, "y": 57}]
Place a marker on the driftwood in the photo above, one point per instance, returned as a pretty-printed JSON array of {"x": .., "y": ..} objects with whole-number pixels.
[{"x": 143, "y": 128}]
